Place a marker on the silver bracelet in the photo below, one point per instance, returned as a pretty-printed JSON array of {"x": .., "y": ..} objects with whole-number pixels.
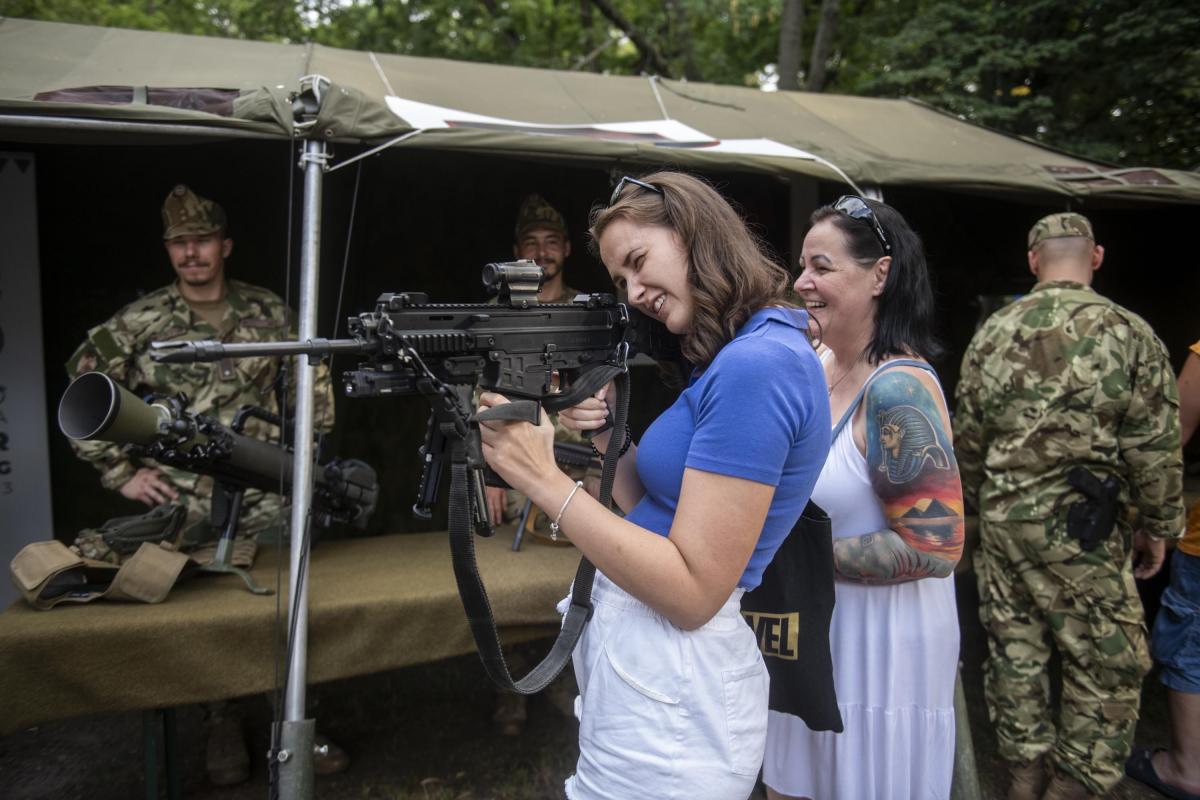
[{"x": 554, "y": 525}]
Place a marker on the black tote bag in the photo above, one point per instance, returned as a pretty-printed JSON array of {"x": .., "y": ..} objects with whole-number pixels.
[
  {"x": 791, "y": 609},
  {"x": 790, "y": 613}
]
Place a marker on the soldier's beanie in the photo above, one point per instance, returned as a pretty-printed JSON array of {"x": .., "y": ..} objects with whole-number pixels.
[
  {"x": 1058, "y": 226},
  {"x": 186, "y": 213},
  {"x": 535, "y": 212}
]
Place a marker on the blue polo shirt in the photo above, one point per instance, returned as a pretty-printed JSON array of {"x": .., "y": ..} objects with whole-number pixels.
[{"x": 760, "y": 412}]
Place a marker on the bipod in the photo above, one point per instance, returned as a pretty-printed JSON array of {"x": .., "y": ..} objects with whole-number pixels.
[{"x": 229, "y": 499}]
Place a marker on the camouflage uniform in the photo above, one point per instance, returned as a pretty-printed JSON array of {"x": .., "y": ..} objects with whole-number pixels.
[
  {"x": 1061, "y": 378},
  {"x": 120, "y": 349}
]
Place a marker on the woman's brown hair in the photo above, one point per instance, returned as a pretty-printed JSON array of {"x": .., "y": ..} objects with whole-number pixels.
[{"x": 729, "y": 271}]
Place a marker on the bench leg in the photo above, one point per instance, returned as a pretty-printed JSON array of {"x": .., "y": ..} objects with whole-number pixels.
[
  {"x": 964, "y": 785},
  {"x": 150, "y": 730},
  {"x": 156, "y": 723},
  {"x": 171, "y": 754}
]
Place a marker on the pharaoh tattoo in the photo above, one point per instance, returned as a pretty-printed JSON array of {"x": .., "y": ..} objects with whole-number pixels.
[{"x": 913, "y": 472}]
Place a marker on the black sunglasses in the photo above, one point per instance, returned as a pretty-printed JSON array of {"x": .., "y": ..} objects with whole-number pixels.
[
  {"x": 627, "y": 180},
  {"x": 855, "y": 207}
]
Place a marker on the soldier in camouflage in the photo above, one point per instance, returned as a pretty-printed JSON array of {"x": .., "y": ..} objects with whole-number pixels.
[
  {"x": 1065, "y": 378},
  {"x": 202, "y": 303},
  {"x": 540, "y": 235}
]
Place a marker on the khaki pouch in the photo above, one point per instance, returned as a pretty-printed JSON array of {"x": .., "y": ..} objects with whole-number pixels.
[{"x": 49, "y": 573}]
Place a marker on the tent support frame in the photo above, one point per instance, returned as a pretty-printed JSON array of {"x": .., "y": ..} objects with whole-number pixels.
[
  {"x": 34, "y": 122},
  {"x": 296, "y": 734}
]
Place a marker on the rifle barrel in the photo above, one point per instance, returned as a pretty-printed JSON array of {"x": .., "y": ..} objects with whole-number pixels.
[{"x": 191, "y": 352}]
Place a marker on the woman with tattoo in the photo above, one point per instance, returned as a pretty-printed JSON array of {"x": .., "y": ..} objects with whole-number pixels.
[
  {"x": 673, "y": 689},
  {"x": 891, "y": 489}
]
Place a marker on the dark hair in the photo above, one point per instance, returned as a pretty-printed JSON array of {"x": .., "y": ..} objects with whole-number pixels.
[
  {"x": 729, "y": 272},
  {"x": 904, "y": 315}
]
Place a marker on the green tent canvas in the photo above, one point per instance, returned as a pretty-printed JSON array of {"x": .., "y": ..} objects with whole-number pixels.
[{"x": 89, "y": 81}]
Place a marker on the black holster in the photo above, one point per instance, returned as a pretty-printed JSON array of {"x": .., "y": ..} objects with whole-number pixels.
[{"x": 1091, "y": 521}]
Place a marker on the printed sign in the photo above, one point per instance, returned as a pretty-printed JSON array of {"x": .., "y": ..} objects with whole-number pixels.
[{"x": 25, "y": 514}]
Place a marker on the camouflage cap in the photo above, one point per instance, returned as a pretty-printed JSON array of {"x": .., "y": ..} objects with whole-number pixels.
[
  {"x": 1058, "y": 226},
  {"x": 537, "y": 213},
  {"x": 186, "y": 213}
]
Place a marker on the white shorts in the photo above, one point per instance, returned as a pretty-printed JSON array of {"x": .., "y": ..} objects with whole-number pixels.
[{"x": 666, "y": 713}]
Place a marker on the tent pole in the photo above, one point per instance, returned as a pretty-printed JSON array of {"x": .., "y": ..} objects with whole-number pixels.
[
  {"x": 87, "y": 125},
  {"x": 297, "y": 733}
]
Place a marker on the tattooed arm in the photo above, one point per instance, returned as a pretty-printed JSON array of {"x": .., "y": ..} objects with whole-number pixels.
[{"x": 910, "y": 457}]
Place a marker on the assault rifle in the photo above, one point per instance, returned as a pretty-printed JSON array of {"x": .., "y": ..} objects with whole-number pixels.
[
  {"x": 96, "y": 407},
  {"x": 539, "y": 355}
]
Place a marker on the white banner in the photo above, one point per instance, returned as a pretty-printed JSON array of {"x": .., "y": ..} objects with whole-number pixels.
[
  {"x": 25, "y": 514},
  {"x": 666, "y": 133}
]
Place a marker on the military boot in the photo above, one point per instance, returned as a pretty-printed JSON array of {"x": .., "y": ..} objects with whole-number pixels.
[
  {"x": 226, "y": 759},
  {"x": 328, "y": 758},
  {"x": 1064, "y": 787},
  {"x": 509, "y": 717},
  {"x": 1028, "y": 780}
]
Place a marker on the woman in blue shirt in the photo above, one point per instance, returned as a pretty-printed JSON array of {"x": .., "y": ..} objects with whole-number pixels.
[{"x": 673, "y": 691}]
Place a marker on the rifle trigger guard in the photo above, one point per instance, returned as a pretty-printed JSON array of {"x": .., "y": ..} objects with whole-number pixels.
[{"x": 515, "y": 411}]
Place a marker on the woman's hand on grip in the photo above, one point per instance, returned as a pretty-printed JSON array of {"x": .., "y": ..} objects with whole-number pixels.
[{"x": 521, "y": 453}]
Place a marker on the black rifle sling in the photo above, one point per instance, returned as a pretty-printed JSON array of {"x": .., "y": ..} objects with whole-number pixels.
[{"x": 466, "y": 571}]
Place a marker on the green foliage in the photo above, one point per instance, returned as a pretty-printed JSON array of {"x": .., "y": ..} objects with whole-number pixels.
[
  {"x": 726, "y": 42},
  {"x": 1116, "y": 80},
  {"x": 271, "y": 20}
]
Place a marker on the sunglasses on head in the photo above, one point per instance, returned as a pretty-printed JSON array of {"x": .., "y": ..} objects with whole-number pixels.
[
  {"x": 621, "y": 184},
  {"x": 855, "y": 207}
]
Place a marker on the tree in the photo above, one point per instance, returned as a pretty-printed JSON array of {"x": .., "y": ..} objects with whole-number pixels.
[
  {"x": 1116, "y": 80},
  {"x": 271, "y": 20},
  {"x": 791, "y": 44},
  {"x": 650, "y": 56},
  {"x": 822, "y": 45}
]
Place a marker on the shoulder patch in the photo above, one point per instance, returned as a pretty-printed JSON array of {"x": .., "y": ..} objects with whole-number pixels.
[
  {"x": 265, "y": 323},
  {"x": 105, "y": 344}
]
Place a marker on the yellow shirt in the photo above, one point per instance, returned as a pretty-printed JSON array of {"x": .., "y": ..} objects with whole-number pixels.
[{"x": 1190, "y": 543}]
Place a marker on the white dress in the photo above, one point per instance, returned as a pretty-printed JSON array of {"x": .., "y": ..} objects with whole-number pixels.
[{"x": 895, "y": 652}]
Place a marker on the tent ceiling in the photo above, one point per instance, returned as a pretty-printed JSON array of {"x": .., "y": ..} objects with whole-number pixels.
[{"x": 874, "y": 141}]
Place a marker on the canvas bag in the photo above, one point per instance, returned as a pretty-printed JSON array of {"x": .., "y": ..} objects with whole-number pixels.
[{"x": 790, "y": 612}]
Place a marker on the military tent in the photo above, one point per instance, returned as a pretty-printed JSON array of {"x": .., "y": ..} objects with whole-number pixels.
[
  {"x": 89, "y": 80},
  {"x": 109, "y": 120}
]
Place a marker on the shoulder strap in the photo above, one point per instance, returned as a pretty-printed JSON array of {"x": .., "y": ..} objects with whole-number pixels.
[
  {"x": 858, "y": 398},
  {"x": 462, "y": 547}
]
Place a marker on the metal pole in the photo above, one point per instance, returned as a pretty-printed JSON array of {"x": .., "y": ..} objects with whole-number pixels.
[
  {"x": 297, "y": 734},
  {"x": 87, "y": 126}
]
